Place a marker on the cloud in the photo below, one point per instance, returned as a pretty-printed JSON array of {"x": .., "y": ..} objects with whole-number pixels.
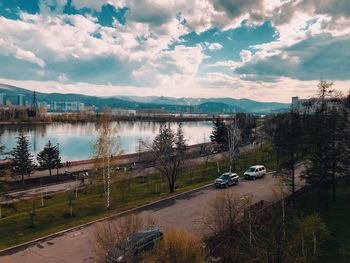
[
  {"x": 187, "y": 46},
  {"x": 317, "y": 57},
  {"x": 29, "y": 56},
  {"x": 213, "y": 46},
  {"x": 226, "y": 63}
]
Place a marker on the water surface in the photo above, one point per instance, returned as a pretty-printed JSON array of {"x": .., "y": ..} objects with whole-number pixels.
[{"x": 76, "y": 140}]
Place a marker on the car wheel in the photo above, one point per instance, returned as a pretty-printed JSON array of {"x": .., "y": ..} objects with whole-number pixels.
[
  {"x": 254, "y": 178},
  {"x": 226, "y": 185}
]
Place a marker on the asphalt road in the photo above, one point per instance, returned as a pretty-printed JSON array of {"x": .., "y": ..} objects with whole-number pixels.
[{"x": 188, "y": 212}]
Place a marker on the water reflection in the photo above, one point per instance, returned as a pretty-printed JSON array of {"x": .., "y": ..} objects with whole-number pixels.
[{"x": 76, "y": 140}]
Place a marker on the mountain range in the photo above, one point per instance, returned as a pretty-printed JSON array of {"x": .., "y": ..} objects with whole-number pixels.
[{"x": 202, "y": 105}]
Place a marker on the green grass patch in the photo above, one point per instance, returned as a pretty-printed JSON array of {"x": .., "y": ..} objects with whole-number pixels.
[{"x": 15, "y": 226}]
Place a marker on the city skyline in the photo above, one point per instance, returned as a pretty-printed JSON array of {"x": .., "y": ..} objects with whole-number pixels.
[{"x": 263, "y": 50}]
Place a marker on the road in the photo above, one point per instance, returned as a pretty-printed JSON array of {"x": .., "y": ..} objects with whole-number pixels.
[{"x": 187, "y": 211}]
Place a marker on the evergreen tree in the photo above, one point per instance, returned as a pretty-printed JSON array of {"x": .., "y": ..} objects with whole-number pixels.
[
  {"x": 49, "y": 158},
  {"x": 325, "y": 139},
  {"x": 219, "y": 133},
  {"x": 180, "y": 140},
  {"x": 2, "y": 147},
  {"x": 22, "y": 159},
  {"x": 290, "y": 143}
]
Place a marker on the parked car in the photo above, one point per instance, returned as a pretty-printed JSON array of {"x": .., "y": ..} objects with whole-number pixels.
[
  {"x": 226, "y": 179},
  {"x": 256, "y": 171},
  {"x": 133, "y": 246}
]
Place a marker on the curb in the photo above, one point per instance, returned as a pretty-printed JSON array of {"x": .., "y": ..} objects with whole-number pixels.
[{"x": 22, "y": 246}]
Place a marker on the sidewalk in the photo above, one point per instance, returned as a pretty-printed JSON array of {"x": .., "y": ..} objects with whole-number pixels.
[{"x": 62, "y": 170}]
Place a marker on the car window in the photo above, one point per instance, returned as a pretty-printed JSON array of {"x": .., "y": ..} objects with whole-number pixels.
[{"x": 224, "y": 176}]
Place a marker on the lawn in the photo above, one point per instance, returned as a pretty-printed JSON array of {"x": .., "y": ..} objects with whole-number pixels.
[{"x": 16, "y": 226}]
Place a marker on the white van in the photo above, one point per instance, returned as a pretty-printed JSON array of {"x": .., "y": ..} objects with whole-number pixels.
[{"x": 256, "y": 171}]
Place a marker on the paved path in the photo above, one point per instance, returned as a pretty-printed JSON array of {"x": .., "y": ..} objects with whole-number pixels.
[
  {"x": 187, "y": 212},
  {"x": 37, "y": 191},
  {"x": 62, "y": 170},
  {"x": 64, "y": 186}
]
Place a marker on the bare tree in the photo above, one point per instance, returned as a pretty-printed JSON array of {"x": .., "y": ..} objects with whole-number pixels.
[
  {"x": 226, "y": 212},
  {"x": 233, "y": 135},
  {"x": 112, "y": 234},
  {"x": 106, "y": 146},
  {"x": 177, "y": 246}
]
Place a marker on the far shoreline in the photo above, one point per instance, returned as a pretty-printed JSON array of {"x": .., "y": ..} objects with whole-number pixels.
[{"x": 95, "y": 118}]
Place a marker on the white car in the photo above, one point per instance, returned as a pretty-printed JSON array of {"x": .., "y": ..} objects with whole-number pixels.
[{"x": 256, "y": 171}]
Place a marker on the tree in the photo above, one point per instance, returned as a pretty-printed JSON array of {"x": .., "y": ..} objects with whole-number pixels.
[
  {"x": 21, "y": 157},
  {"x": 49, "y": 158},
  {"x": 233, "y": 135},
  {"x": 180, "y": 140},
  {"x": 113, "y": 234},
  {"x": 106, "y": 146},
  {"x": 177, "y": 247},
  {"x": 168, "y": 150},
  {"x": 247, "y": 124},
  {"x": 289, "y": 144},
  {"x": 345, "y": 142},
  {"x": 324, "y": 144},
  {"x": 219, "y": 133},
  {"x": 2, "y": 147}
]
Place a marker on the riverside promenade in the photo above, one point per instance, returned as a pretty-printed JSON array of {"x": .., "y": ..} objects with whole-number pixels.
[{"x": 132, "y": 160}]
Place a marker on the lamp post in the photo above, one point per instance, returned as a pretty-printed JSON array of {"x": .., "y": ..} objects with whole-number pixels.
[{"x": 57, "y": 164}]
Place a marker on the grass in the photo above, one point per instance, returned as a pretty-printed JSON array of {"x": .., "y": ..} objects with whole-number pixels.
[
  {"x": 337, "y": 218},
  {"x": 15, "y": 226}
]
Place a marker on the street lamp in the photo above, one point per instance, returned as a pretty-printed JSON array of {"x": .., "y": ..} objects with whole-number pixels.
[{"x": 57, "y": 163}]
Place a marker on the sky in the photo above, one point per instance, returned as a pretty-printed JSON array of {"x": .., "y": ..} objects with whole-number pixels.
[{"x": 266, "y": 50}]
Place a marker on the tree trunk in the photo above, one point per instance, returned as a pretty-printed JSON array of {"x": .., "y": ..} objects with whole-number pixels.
[
  {"x": 22, "y": 174},
  {"x": 171, "y": 184}
]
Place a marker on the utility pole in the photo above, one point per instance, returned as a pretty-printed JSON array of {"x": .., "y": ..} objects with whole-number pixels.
[
  {"x": 57, "y": 168},
  {"x": 41, "y": 193}
]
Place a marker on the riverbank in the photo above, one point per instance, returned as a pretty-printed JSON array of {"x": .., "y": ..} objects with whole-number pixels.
[
  {"x": 126, "y": 162},
  {"x": 83, "y": 118}
]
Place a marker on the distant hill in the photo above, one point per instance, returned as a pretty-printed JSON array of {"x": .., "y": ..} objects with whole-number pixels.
[
  {"x": 244, "y": 105},
  {"x": 203, "y": 105}
]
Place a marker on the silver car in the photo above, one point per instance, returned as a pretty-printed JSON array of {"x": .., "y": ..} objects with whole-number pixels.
[{"x": 227, "y": 179}]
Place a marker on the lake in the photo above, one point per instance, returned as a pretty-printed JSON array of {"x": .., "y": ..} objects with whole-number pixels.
[{"x": 76, "y": 140}]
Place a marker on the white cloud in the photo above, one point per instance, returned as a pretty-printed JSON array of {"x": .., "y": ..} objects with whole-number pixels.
[
  {"x": 211, "y": 85},
  {"x": 246, "y": 55},
  {"x": 29, "y": 56},
  {"x": 214, "y": 46},
  {"x": 61, "y": 46},
  {"x": 226, "y": 63}
]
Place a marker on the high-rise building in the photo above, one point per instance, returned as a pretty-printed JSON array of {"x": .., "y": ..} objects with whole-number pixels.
[
  {"x": 53, "y": 106},
  {"x": 21, "y": 100},
  {"x": 81, "y": 106},
  {"x": 2, "y": 99}
]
